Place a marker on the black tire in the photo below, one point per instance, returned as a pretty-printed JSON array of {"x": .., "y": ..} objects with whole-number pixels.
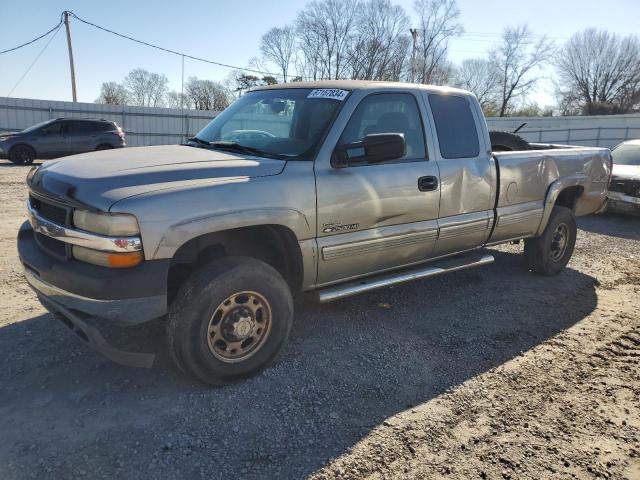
[
  {"x": 547, "y": 254},
  {"x": 195, "y": 311},
  {"x": 104, "y": 146},
  {"x": 22, "y": 155},
  {"x": 507, "y": 142}
]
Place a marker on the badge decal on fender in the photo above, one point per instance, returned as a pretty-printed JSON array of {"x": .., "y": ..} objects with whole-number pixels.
[{"x": 338, "y": 227}]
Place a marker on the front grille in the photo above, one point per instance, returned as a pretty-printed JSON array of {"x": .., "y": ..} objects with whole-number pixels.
[
  {"x": 57, "y": 213},
  {"x": 626, "y": 187},
  {"x": 53, "y": 212}
]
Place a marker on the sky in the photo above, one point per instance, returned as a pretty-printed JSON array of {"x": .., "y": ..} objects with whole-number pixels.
[{"x": 230, "y": 31}]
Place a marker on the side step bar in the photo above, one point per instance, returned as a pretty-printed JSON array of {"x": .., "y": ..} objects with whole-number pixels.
[{"x": 359, "y": 286}]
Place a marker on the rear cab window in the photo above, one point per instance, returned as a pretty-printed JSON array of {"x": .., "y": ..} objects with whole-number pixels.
[{"x": 455, "y": 126}]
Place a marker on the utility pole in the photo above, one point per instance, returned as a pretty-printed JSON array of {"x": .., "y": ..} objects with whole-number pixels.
[
  {"x": 184, "y": 136},
  {"x": 73, "y": 71},
  {"x": 414, "y": 35}
]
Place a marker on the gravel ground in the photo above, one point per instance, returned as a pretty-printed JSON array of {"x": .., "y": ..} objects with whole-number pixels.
[{"x": 488, "y": 373}]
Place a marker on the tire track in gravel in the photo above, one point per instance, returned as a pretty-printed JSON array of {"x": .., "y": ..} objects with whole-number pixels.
[{"x": 525, "y": 419}]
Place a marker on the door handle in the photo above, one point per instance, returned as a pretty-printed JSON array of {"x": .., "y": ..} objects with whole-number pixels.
[{"x": 427, "y": 184}]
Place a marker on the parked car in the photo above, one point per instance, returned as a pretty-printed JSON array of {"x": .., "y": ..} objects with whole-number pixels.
[
  {"x": 59, "y": 138},
  {"x": 624, "y": 191},
  {"x": 356, "y": 185}
]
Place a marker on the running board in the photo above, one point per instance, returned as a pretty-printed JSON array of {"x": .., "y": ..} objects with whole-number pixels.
[{"x": 359, "y": 286}]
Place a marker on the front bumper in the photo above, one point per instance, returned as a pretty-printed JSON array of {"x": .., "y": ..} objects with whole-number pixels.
[
  {"x": 123, "y": 296},
  {"x": 619, "y": 202}
]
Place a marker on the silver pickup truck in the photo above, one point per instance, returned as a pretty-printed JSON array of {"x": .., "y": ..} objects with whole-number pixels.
[{"x": 328, "y": 189}]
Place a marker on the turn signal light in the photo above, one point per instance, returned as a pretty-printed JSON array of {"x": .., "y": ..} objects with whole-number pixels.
[
  {"x": 107, "y": 259},
  {"x": 125, "y": 260}
]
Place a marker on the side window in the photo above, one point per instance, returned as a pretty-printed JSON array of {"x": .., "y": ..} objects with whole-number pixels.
[
  {"x": 456, "y": 128},
  {"x": 103, "y": 126},
  {"x": 79, "y": 128},
  {"x": 52, "y": 129},
  {"x": 388, "y": 113}
]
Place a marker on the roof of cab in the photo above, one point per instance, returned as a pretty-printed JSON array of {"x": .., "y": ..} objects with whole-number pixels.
[{"x": 362, "y": 85}]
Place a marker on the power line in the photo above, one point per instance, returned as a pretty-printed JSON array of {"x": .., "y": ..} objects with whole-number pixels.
[
  {"x": 35, "y": 60},
  {"x": 167, "y": 50},
  {"x": 32, "y": 41}
]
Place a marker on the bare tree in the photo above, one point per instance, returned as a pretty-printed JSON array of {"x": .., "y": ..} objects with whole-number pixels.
[
  {"x": 177, "y": 100},
  {"x": 325, "y": 29},
  {"x": 278, "y": 46},
  {"x": 438, "y": 23},
  {"x": 378, "y": 50},
  {"x": 146, "y": 89},
  {"x": 514, "y": 60},
  {"x": 600, "y": 72},
  {"x": 479, "y": 76},
  {"x": 112, "y": 93},
  {"x": 206, "y": 94}
]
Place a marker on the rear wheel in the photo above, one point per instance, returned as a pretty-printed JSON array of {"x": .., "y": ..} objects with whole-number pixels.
[
  {"x": 550, "y": 253},
  {"x": 229, "y": 320},
  {"x": 22, "y": 155}
]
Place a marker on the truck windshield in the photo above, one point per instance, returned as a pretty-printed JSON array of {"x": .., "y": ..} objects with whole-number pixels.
[
  {"x": 288, "y": 123},
  {"x": 627, "y": 154}
]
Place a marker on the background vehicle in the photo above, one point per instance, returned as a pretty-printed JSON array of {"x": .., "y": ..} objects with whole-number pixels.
[
  {"x": 353, "y": 186},
  {"x": 624, "y": 191},
  {"x": 59, "y": 138}
]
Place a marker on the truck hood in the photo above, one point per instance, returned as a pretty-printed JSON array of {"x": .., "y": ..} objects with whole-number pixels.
[
  {"x": 626, "y": 172},
  {"x": 99, "y": 179}
]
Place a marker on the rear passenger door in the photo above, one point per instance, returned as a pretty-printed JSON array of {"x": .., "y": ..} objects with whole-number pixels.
[
  {"x": 374, "y": 217},
  {"x": 467, "y": 173},
  {"x": 81, "y": 136}
]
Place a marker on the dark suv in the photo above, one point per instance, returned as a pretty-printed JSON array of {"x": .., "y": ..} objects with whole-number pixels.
[{"x": 60, "y": 137}]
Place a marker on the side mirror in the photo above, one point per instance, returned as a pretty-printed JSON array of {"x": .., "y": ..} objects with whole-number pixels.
[{"x": 374, "y": 148}]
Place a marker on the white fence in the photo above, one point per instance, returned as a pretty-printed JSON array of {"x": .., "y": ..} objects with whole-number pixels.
[
  {"x": 594, "y": 131},
  {"x": 157, "y": 126},
  {"x": 143, "y": 125}
]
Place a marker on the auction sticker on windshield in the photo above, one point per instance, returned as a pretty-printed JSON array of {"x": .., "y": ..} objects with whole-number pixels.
[{"x": 333, "y": 93}]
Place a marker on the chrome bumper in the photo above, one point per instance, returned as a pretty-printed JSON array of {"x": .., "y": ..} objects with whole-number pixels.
[
  {"x": 621, "y": 197},
  {"x": 81, "y": 238}
]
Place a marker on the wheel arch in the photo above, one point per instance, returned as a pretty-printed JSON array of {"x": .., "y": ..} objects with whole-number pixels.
[
  {"x": 274, "y": 244},
  {"x": 565, "y": 192},
  {"x": 22, "y": 144}
]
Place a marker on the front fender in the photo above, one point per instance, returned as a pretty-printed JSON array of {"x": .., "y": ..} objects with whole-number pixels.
[{"x": 180, "y": 233}]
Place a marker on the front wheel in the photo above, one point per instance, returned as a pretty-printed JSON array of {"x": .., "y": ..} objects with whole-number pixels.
[
  {"x": 229, "y": 320},
  {"x": 549, "y": 253},
  {"x": 22, "y": 155}
]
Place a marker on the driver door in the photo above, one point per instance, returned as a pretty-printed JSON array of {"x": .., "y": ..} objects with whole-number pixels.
[
  {"x": 375, "y": 217},
  {"x": 50, "y": 141}
]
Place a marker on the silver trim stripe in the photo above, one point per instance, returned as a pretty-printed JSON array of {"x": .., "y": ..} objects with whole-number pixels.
[
  {"x": 513, "y": 218},
  {"x": 83, "y": 239},
  {"x": 453, "y": 231},
  {"x": 378, "y": 244}
]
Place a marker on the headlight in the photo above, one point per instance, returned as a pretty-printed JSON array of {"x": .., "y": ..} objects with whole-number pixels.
[
  {"x": 112, "y": 225},
  {"x": 32, "y": 172},
  {"x": 107, "y": 259}
]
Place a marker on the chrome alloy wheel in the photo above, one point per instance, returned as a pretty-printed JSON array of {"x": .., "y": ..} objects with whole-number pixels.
[
  {"x": 239, "y": 327},
  {"x": 559, "y": 242}
]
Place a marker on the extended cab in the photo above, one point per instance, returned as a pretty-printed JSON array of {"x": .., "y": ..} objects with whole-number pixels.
[{"x": 327, "y": 189}]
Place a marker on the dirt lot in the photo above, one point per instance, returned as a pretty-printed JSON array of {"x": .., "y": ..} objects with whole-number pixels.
[{"x": 490, "y": 373}]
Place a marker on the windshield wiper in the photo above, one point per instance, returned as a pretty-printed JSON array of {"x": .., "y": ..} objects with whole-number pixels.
[
  {"x": 236, "y": 147},
  {"x": 197, "y": 140}
]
